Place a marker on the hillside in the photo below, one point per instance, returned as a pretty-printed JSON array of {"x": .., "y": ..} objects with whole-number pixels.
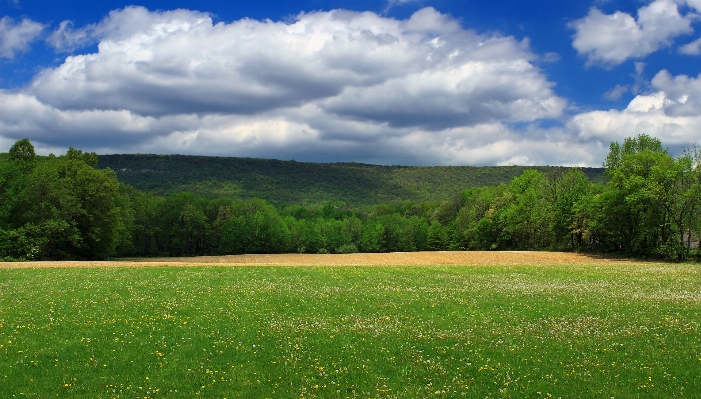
[{"x": 307, "y": 183}]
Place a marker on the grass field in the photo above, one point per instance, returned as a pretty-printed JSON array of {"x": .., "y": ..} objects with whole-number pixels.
[{"x": 595, "y": 331}]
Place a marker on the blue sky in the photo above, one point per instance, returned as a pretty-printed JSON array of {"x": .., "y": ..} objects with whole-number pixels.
[{"x": 412, "y": 82}]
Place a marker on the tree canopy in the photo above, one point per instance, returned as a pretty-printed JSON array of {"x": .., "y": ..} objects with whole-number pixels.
[
  {"x": 65, "y": 208},
  {"x": 57, "y": 208}
]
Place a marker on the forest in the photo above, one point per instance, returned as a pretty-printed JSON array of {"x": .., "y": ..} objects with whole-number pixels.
[
  {"x": 64, "y": 207},
  {"x": 307, "y": 183}
]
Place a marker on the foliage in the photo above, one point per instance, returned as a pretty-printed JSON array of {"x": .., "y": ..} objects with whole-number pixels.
[
  {"x": 22, "y": 153},
  {"x": 65, "y": 208},
  {"x": 304, "y": 183},
  {"x": 650, "y": 205},
  {"x": 60, "y": 208}
]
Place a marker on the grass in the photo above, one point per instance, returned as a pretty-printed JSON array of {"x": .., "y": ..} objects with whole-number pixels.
[{"x": 389, "y": 332}]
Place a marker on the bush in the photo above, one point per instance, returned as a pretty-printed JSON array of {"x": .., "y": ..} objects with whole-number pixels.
[{"x": 347, "y": 249}]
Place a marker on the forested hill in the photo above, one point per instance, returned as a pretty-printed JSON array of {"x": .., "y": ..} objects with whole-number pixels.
[{"x": 307, "y": 183}]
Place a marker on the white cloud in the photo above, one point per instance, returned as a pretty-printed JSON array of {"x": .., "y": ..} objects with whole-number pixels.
[
  {"x": 693, "y": 48},
  {"x": 65, "y": 38},
  {"x": 129, "y": 23},
  {"x": 327, "y": 86},
  {"x": 682, "y": 93},
  {"x": 610, "y": 40},
  {"x": 303, "y": 134},
  {"x": 344, "y": 60},
  {"x": 16, "y": 37},
  {"x": 695, "y": 4},
  {"x": 551, "y": 57},
  {"x": 616, "y": 92},
  {"x": 672, "y": 112},
  {"x": 393, "y": 3},
  {"x": 640, "y": 83},
  {"x": 332, "y": 86}
]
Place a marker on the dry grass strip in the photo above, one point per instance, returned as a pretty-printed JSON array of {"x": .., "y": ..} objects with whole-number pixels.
[{"x": 381, "y": 259}]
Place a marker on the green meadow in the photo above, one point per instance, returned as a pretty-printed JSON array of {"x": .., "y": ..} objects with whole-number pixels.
[{"x": 352, "y": 332}]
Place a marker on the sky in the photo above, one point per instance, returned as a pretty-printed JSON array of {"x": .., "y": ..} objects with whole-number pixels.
[{"x": 392, "y": 82}]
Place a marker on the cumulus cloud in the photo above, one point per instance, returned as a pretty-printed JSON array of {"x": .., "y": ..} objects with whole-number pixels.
[
  {"x": 611, "y": 39},
  {"x": 616, "y": 92},
  {"x": 640, "y": 82},
  {"x": 309, "y": 134},
  {"x": 551, "y": 57},
  {"x": 178, "y": 62},
  {"x": 671, "y": 112},
  {"x": 393, "y": 3},
  {"x": 695, "y": 4},
  {"x": 693, "y": 48},
  {"x": 327, "y": 86},
  {"x": 126, "y": 24},
  {"x": 16, "y": 37}
]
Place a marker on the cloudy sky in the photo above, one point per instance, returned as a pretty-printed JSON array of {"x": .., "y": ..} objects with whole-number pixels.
[{"x": 409, "y": 82}]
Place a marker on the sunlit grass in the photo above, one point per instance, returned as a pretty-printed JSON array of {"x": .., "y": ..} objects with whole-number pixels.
[{"x": 406, "y": 332}]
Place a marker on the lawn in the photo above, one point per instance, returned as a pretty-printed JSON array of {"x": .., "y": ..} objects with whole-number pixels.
[{"x": 593, "y": 331}]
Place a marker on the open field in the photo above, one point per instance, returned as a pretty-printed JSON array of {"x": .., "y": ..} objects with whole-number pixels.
[{"x": 547, "y": 327}]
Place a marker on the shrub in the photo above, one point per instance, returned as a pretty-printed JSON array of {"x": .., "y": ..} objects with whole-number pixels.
[{"x": 347, "y": 249}]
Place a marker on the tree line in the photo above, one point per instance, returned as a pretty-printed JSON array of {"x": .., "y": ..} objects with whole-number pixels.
[
  {"x": 63, "y": 207},
  {"x": 280, "y": 182}
]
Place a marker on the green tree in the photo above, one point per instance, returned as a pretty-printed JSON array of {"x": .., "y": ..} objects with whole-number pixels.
[
  {"x": 371, "y": 236},
  {"x": 690, "y": 219},
  {"x": 62, "y": 207},
  {"x": 420, "y": 233},
  {"x": 332, "y": 233},
  {"x": 351, "y": 230},
  {"x": 310, "y": 238},
  {"x": 653, "y": 196},
  {"x": 478, "y": 203},
  {"x": 12, "y": 182},
  {"x": 437, "y": 237},
  {"x": 528, "y": 212},
  {"x": 22, "y": 153},
  {"x": 255, "y": 227},
  {"x": 569, "y": 189},
  {"x": 140, "y": 218}
]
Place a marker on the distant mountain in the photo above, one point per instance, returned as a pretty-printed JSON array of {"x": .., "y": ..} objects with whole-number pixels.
[{"x": 307, "y": 183}]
